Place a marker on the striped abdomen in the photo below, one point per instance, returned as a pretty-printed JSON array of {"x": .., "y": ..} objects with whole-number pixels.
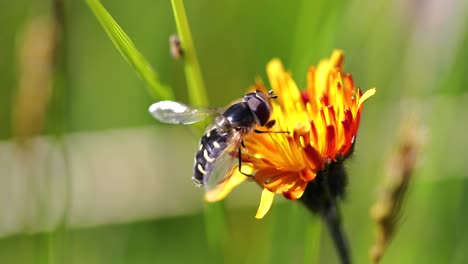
[{"x": 212, "y": 144}]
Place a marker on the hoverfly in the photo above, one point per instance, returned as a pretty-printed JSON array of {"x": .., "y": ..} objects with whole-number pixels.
[{"x": 223, "y": 139}]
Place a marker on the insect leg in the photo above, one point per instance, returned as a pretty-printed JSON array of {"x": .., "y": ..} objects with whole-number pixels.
[
  {"x": 240, "y": 161},
  {"x": 267, "y": 131},
  {"x": 246, "y": 150}
]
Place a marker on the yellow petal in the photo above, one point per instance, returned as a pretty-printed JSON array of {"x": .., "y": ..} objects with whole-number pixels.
[
  {"x": 337, "y": 58},
  {"x": 274, "y": 67},
  {"x": 265, "y": 203},
  {"x": 222, "y": 190},
  {"x": 366, "y": 95}
]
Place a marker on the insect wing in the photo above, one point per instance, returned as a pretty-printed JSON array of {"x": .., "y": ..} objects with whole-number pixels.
[
  {"x": 172, "y": 112},
  {"x": 226, "y": 164}
]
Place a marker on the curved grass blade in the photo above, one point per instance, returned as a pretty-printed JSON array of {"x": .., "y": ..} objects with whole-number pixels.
[{"x": 128, "y": 50}]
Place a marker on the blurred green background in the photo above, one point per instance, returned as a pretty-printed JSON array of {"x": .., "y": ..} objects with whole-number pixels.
[{"x": 121, "y": 190}]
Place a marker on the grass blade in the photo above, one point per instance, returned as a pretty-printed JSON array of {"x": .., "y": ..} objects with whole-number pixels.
[
  {"x": 195, "y": 84},
  {"x": 128, "y": 50},
  {"x": 214, "y": 213}
]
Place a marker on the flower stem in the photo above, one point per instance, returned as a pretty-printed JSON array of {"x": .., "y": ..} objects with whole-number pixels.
[
  {"x": 333, "y": 222},
  {"x": 321, "y": 197}
]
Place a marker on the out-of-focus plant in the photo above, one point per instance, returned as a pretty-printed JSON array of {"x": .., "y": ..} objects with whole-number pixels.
[{"x": 387, "y": 210}]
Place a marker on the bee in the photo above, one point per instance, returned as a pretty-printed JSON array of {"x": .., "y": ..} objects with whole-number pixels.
[{"x": 223, "y": 139}]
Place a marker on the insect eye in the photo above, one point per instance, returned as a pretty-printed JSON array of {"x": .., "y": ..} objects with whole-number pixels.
[{"x": 260, "y": 109}]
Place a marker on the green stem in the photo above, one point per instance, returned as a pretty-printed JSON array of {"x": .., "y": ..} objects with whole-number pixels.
[
  {"x": 332, "y": 219},
  {"x": 214, "y": 213},
  {"x": 195, "y": 84}
]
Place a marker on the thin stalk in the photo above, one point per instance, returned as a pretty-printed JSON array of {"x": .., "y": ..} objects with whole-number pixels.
[
  {"x": 321, "y": 197},
  {"x": 214, "y": 213},
  {"x": 332, "y": 220},
  {"x": 195, "y": 84}
]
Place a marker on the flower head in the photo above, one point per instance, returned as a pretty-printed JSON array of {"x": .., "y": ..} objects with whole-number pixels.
[{"x": 322, "y": 121}]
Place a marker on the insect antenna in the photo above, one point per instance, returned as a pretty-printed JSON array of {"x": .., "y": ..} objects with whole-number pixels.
[{"x": 271, "y": 95}]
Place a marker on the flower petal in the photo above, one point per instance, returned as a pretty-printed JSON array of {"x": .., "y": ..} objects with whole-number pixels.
[
  {"x": 337, "y": 59},
  {"x": 307, "y": 175},
  {"x": 365, "y": 96},
  {"x": 265, "y": 203},
  {"x": 222, "y": 190},
  {"x": 296, "y": 191}
]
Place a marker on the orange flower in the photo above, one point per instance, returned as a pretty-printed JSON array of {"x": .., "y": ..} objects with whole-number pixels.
[{"x": 323, "y": 121}]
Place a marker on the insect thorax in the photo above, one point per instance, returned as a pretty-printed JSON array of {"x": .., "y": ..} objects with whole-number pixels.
[{"x": 238, "y": 115}]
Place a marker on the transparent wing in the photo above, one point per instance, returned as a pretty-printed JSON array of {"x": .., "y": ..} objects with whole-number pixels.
[
  {"x": 172, "y": 112},
  {"x": 226, "y": 164}
]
